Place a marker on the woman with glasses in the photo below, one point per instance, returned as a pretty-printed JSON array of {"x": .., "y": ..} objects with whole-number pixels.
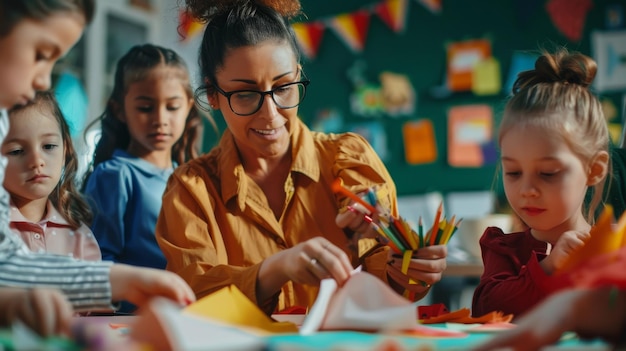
[{"x": 258, "y": 211}]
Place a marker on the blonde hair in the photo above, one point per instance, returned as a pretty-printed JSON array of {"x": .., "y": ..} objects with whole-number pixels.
[{"x": 555, "y": 96}]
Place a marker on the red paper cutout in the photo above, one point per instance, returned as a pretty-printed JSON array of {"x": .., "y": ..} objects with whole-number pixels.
[{"x": 569, "y": 16}]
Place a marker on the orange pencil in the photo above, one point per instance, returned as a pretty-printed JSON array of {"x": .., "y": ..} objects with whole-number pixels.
[
  {"x": 433, "y": 235},
  {"x": 337, "y": 187}
]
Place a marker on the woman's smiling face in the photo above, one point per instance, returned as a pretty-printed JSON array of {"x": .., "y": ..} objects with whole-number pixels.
[{"x": 266, "y": 133}]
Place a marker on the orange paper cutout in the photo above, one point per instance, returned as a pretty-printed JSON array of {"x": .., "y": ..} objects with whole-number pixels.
[
  {"x": 469, "y": 128},
  {"x": 462, "y": 57},
  {"x": 419, "y": 142}
]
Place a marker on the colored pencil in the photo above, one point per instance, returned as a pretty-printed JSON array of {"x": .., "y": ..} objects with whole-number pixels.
[
  {"x": 337, "y": 187},
  {"x": 433, "y": 235}
]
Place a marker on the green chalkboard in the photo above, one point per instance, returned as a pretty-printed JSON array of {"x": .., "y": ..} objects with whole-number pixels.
[{"x": 420, "y": 53}]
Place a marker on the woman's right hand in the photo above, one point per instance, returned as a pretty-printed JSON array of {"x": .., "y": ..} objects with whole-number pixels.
[
  {"x": 306, "y": 263},
  {"x": 315, "y": 259}
]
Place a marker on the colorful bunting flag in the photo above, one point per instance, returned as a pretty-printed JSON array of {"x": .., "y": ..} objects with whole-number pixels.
[
  {"x": 352, "y": 28},
  {"x": 433, "y": 5},
  {"x": 393, "y": 13},
  {"x": 569, "y": 16},
  {"x": 188, "y": 26},
  {"x": 309, "y": 37}
]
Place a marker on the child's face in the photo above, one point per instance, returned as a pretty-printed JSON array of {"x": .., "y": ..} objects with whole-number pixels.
[
  {"x": 155, "y": 111},
  {"x": 35, "y": 153},
  {"x": 30, "y": 50},
  {"x": 544, "y": 181}
]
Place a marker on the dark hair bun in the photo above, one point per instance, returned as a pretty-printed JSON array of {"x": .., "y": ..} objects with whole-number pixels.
[
  {"x": 204, "y": 10},
  {"x": 561, "y": 67}
]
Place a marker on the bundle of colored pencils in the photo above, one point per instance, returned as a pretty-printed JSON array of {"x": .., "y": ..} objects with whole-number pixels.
[
  {"x": 401, "y": 238},
  {"x": 399, "y": 234}
]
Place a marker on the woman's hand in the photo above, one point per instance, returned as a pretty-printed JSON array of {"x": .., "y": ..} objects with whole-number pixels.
[
  {"x": 316, "y": 259},
  {"x": 306, "y": 263},
  {"x": 45, "y": 311},
  {"x": 353, "y": 219},
  {"x": 427, "y": 266}
]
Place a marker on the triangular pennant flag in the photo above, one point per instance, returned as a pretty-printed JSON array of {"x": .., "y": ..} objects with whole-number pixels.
[
  {"x": 188, "y": 26},
  {"x": 433, "y": 5},
  {"x": 393, "y": 13},
  {"x": 569, "y": 16},
  {"x": 352, "y": 28},
  {"x": 309, "y": 37}
]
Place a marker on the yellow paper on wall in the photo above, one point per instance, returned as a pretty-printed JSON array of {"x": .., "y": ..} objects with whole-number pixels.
[
  {"x": 419, "y": 142},
  {"x": 486, "y": 78}
]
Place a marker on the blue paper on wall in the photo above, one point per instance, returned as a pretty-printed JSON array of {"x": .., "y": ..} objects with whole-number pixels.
[{"x": 521, "y": 61}]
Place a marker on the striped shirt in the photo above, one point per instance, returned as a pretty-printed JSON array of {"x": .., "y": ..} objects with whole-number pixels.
[{"x": 86, "y": 284}]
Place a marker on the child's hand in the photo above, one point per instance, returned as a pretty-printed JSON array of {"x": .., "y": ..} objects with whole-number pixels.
[
  {"x": 567, "y": 243},
  {"x": 45, "y": 311},
  {"x": 138, "y": 284}
]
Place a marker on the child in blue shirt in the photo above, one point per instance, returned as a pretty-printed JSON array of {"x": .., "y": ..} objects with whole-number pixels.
[{"x": 149, "y": 126}]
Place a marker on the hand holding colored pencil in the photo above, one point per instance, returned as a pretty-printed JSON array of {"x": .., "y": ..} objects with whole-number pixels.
[{"x": 400, "y": 235}]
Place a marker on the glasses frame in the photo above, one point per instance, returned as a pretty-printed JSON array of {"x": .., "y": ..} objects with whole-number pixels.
[{"x": 227, "y": 94}]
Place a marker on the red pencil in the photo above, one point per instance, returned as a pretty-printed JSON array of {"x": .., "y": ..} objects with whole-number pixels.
[{"x": 433, "y": 234}]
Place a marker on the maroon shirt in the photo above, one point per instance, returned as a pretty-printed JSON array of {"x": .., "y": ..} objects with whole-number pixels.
[{"x": 513, "y": 281}]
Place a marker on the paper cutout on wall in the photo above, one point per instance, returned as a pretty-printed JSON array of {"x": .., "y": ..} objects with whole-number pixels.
[
  {"x": 486, "y": 78},
  {"x": 374, "y": 133},
  {"x": 309, "y": 37},
  {"x": 609, "y": 51},
  {"x": 393, "y": 13},
  {"x": 569, "y": 16},
  {"x": 470, "y": 136},
  {"x": 520, "y": 62},
  {"x": 398, "y": 95},
  {"x": 419, "y": 142},
  {"x": 328, "y": 120},
  {"x": 367, "y": 101},
  {"x": 352, "y": 28},
  {"x": 187, "y": 25},
  {"x": 433, "y": 5},
  {"x": 462, "y": 57}
]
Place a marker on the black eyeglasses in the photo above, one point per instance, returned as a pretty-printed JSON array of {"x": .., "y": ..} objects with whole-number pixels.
[{"x": 248, "y": 102}]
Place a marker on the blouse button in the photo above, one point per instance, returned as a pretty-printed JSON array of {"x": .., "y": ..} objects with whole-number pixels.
[
  {"x": 71, "y": 233},
  {"x": 37, "y": 236}
]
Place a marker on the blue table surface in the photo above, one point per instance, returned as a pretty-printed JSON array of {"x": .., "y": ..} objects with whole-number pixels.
[{"x": 351, "y": 340}]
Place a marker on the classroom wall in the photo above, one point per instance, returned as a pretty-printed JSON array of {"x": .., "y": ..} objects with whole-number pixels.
[{"x": 419, "y": 53}]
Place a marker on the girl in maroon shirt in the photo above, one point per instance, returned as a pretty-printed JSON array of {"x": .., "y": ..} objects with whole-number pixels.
[{"x": 554, "y": 150}]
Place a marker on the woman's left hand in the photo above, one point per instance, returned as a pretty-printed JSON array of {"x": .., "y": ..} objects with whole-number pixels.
[{"x": 426, "y": 268}]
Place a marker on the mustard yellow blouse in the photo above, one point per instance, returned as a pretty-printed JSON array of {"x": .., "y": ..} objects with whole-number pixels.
[{"x": 215, "y": 226}]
